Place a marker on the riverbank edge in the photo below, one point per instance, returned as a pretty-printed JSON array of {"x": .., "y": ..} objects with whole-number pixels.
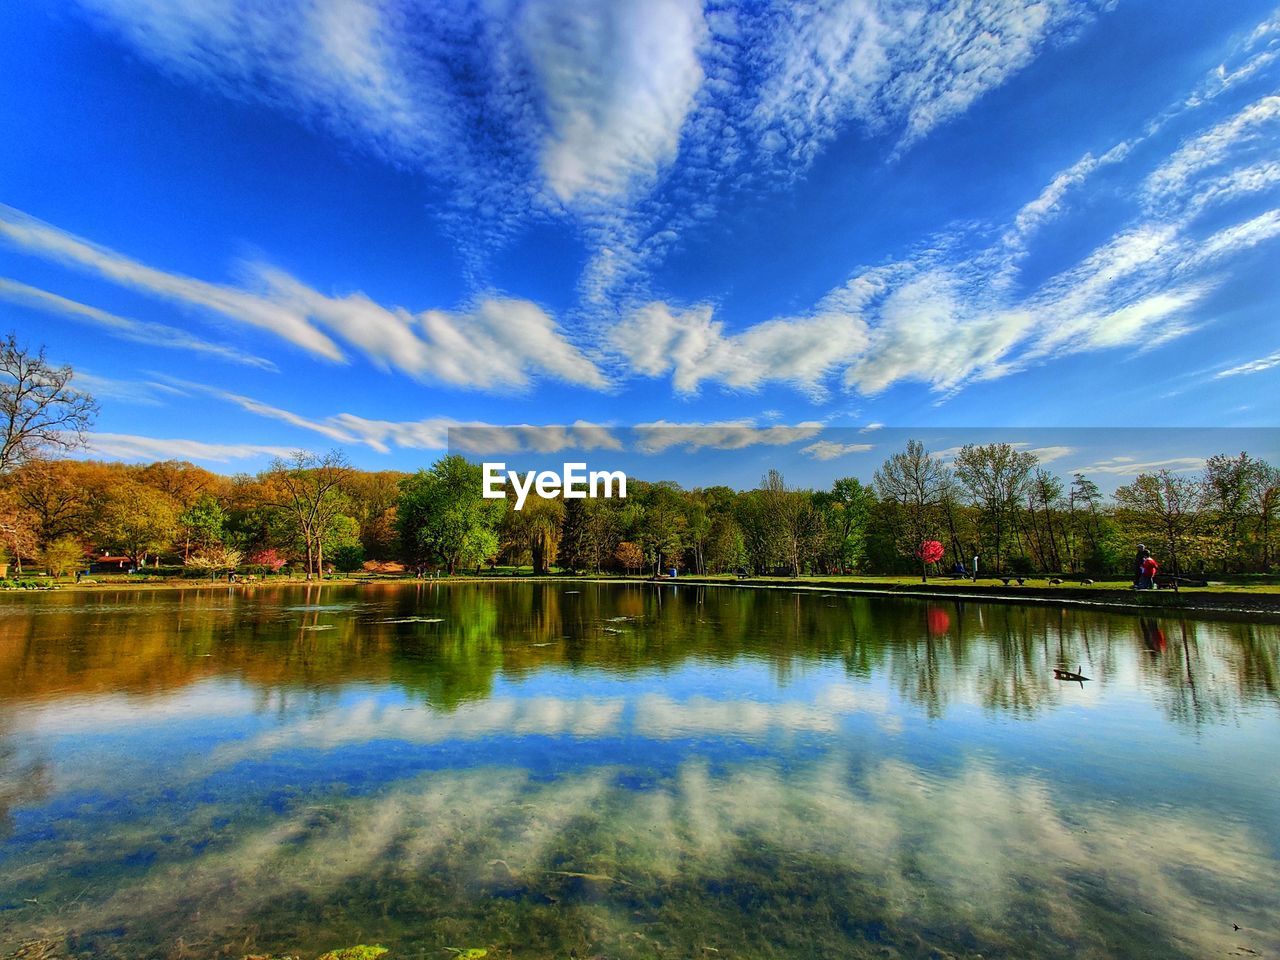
[
  {"x": 1254, "y": 606},
  {"x": 1165, "y": 602}
]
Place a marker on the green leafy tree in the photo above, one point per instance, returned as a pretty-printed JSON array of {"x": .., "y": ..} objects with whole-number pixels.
[
  {"x": 663, "y": 526},
  {"x": 847, "y": 511},
  {"x": 62, "y": 556},
  {"x": 443, "y": 517},
  {"x": 137, "y": 520},
  {"x": 309, "y": 489},
  {"x": 201, "y": 525},
  {"x": 1163, "y": 508},
  {"x": 533, "y": 534},
  {"x": 725, "y": 548}
]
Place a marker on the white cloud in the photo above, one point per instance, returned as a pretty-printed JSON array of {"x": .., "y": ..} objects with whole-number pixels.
[
  {"x": 39, "y": 238},
  {"x": 906, "y": 66},
  {"x": 617, "y": 81},
  {"x": 349, "y": 67},
  {"x": 662, "y": 435},
  {"x": 1131, "y": 467},
  {"x": 1253, "y": 366},
  {"x": 496, "y": 344},
  {"x": 872, "y": 428},
  {"x": 258, "y": 408},
  {"x": 1052, "y": 199},
  {"x": 1051, "y": 453},
  {"x": 433, "y": 433},
  {"x": 126, "y": 391},
  {"x": 125, "y": 446},
  {"x": 831, "y": 449},
  {"x": 1241, "y": 182},
  {"x": 802, "y": 351},
  {"x": 1236, "y": 238},
  {"x": 1210, "y": 149},
  {"x": 928, "y": 331},
  {"x": 136, "y": 331}
]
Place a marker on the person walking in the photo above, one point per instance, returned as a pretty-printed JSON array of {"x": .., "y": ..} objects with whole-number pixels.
[
  {"x": 1137, "y": 563},
  {"x": 1147, "y": 580}
]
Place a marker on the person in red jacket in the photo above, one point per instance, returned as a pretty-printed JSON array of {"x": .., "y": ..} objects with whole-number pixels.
[{"x": 1149, "y": 568}]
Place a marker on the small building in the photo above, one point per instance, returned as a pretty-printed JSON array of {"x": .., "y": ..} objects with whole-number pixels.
[{"x": 107, "y": 563}]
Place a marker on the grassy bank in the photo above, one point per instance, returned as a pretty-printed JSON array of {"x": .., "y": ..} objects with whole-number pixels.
[{"x": 1256, "y": 596}]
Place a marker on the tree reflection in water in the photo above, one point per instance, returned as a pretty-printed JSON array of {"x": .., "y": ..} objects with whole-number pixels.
[{"x": 631, "y": 771}]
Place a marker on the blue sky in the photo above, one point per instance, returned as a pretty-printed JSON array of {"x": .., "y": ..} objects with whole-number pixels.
[{"x": 256, "y": 227}]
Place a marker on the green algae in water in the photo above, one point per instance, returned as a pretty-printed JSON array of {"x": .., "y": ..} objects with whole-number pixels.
[{"x": 361, "y": 952}]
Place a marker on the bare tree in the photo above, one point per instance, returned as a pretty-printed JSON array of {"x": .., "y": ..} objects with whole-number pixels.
[
  {"x": 39, "y": 409},
  {"x": 997, "y": 476},
  {"x": 1167, "y": 504},
  {"x": 309, "y": 489},
  {"x": 917, "y": 482},
  {"x": 793, "y": 523}
]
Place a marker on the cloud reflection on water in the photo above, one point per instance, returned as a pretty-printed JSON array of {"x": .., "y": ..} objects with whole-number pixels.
[{"x": 978, "y": 858}]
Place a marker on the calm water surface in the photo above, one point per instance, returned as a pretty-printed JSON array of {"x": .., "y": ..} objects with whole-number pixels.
[{"x": 558, "y": 770}]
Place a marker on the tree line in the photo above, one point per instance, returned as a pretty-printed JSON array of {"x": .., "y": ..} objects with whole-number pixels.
[
  {"x": 314, "y": 514},
  {"x": 920, "y": 513}
]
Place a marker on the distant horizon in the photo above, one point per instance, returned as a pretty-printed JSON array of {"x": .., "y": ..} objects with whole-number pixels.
[{"x": 691, "y": 459}]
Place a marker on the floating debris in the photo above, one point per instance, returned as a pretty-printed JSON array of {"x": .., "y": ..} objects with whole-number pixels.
[
  {"x": 413, "y": 620},
  {"x": 1059, "y": 673}
]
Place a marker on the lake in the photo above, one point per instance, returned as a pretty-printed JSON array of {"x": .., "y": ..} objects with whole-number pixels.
[{"x": 587, "y": 770}]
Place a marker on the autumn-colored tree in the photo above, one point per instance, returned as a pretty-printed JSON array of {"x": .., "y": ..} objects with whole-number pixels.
[
  {"x": 184, "y": 483},
  {"x": 373, "y": 497},
  {"x": 60, "y": 498},
  {"x": 629, "y": 556},
  {"x": 17, "y": 535}
]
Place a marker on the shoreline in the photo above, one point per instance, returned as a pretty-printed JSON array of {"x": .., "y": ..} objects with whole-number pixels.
[
  {"x": 1164, "y": 602},
  {"x": 1199, "y": 600}
]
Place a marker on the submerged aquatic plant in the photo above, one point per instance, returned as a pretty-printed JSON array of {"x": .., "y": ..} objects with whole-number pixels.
[{"x": 358, "y": 952}]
